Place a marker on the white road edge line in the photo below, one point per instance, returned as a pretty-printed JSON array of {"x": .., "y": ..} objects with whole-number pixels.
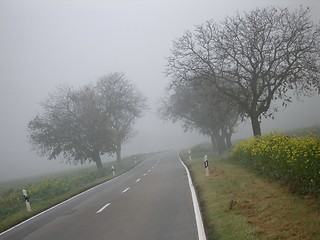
[
  {"x": 103, "y": 208},
  {"x": 125, "y": 190},
  {"x": 200, "y": 227},
  {"x": 138, "y": 179},
  {"x": 144, "y": 174}
]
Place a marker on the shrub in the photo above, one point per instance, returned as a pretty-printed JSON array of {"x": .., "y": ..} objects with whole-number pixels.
[{"x": 293, "y": 159}]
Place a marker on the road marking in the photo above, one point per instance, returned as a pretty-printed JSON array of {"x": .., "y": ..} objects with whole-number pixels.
[
  {"x": 138, "y": 180},
  {"x": 144, "y": 174},
  {"x": 68, "y": 200},
  {"x": 125, "y": 190},
  {"x": 196, "y": 208},
  {"x": 103, "y": 208},
  {"x": 149, "y": 170}
]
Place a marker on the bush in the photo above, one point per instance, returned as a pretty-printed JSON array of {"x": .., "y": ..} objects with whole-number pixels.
[{"x": 293, "y": 159}]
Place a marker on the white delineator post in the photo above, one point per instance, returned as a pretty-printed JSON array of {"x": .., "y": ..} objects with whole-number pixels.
[
  {"x": 189, "y": 155},
  {"x": 26, "y": 199},
  {"x": 206, "y": 165},
  {"x": 113, "y": 173}
]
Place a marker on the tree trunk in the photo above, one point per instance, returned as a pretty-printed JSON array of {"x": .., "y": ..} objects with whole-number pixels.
[
  {"x": 256, "y": 128},
  {"x": 221, "y": 146},
  {"x": 228, "y": 141},
  {"x": 227, "y": 136},
  {"x": 118, "y": 153},
  {"x": 214, "y": 143},
  {"x": 97, "y": 160}
]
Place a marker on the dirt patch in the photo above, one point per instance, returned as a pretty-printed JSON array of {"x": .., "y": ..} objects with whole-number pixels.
[{"x": 275, "y": 219}]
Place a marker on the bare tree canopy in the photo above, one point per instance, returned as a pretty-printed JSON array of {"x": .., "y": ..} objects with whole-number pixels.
[
  {"x": 253, "y": 58},
  {"x": 124, "y": 102},
  {"x": 84, "y": 124},
  {"x": 203, "y": 108}
]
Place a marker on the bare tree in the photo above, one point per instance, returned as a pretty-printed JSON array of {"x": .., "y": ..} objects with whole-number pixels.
[
  {"x": 124, "y": 102},
  {"x": 84, "y": 124},
  {"x": 253, "y": 58},
  {"x": 73, "y": 125},
  {"x": 201, "y": 107}
]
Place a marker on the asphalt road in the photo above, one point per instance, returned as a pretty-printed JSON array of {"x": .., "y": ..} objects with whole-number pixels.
[{"x": 152, "y": 201}]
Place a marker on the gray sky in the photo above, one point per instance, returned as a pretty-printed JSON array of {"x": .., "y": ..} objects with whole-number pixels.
[{"x": 47, "y": 43}]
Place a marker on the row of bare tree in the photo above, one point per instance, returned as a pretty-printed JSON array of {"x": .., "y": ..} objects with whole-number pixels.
[
  {"x": 83, "y": 124},
  {"x": 222, "y": 72}
]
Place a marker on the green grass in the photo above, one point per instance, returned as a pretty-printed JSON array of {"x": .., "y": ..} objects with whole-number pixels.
[
  {"x": 47, "y": 191},
  {"x": 301, "y": 132},
  {"x": 238, "y": 204}
]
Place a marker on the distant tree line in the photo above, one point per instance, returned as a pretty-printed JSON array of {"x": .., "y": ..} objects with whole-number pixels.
[
  {"x": 233, "y": 70},
  {"x": 83, "y": 124}
]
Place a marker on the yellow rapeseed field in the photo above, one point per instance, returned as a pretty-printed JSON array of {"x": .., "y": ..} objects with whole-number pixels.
[{"x": 295, "y": 160}]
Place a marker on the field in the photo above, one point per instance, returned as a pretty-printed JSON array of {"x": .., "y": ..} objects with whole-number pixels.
[
  {"x": 292, "y": 160},
  {"x": 302, "y": 132},
  {"x": 47, "y": 191},
  {"x": 240, "y": 202}
]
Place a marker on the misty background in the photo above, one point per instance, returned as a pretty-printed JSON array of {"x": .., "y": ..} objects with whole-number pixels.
[{"x": 44, "y": 44}]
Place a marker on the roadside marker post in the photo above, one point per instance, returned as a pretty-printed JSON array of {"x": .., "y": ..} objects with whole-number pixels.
[
  {"x": 113, "y": 173},
  {"x": 189, "y": 155},
  {"x": 26, "y": 199},
  {"x": 206, "y": 165}
]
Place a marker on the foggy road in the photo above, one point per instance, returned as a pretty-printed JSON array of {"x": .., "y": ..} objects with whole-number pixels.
[{"x": 152, "y": 201}]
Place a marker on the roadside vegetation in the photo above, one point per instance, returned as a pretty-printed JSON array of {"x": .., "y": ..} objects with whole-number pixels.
[
  {"x": 293, "y": 160},
  {"x": 307, "y": 131},
  {"x": 258, "y": 196},
  {"x": 47, "y": 191}
]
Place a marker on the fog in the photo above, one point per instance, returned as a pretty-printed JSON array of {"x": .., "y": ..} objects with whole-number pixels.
[{"x": 46, "y": 43}]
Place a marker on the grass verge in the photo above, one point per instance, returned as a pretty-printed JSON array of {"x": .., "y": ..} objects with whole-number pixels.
[
  {"x": 238, "y": 204},
  {"x": 45, "y": 192}
]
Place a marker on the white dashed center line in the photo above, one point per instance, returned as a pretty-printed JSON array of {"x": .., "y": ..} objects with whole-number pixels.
[
  {"x": 125, "y": 190},
  {"x": 103, "y": 208}
]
